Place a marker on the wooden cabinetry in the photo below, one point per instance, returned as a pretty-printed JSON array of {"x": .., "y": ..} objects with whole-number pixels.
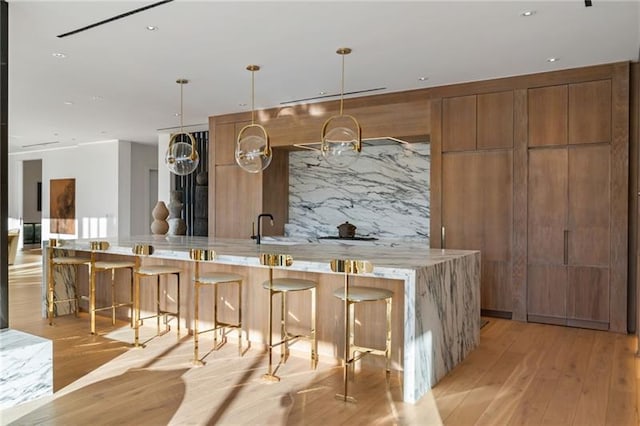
[
  {"x": 569, "y": 245},
  {"x": 477, "y": 188},
  {"x": 552, "y": 151}
]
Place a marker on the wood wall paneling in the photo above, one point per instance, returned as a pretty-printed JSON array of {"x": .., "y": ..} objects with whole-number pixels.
[
  {"x": 435, "y": 177},
  {"x": 459, "y": 124},
  {"x": 548, "y": 116},
  {"x": 590, "y": 112},
  {"x": 495, "y": 120},
  {"x": 619, "y": 197},
  {"x": 634, "y": 188},
  {"x": 520, "y": 158}
]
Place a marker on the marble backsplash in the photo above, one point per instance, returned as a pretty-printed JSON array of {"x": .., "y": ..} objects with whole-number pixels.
[{"x": 385, "y": 193}]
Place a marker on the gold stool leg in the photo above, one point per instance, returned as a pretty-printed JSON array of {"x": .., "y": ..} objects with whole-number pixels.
[
  {"x": 196, "y": 316},
  {"x": 158, "y": 305},
  {"x": 113, "y": 296},
  {"x": 240, "y": 318},
  {"x": 136, "y": 302},
  {"x": 345, "y": 397},
  {"x": 284, "y": 353},
  {"x": 178, "y": 305},
  {"x": 75, "y": 292},
  {"x": 388, "y": 346},
  {"x": 131, "y": 295},
  {"x": 215, "y": 317},
  {"x": 270, "y": 377},
  {"x": 314, "y": 340},
  {"x": 352, "y": 336},
  {"x": 50, "y": 287},
  {"x": 92, "y": 296}
]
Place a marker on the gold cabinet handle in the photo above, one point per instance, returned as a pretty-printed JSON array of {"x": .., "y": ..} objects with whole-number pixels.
[
  {"x": 566, "y": 247},
  {"x": 442, "y": 237}
]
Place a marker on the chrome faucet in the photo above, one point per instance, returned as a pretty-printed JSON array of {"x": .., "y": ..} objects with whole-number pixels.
[{"x": 260, "y": 216}]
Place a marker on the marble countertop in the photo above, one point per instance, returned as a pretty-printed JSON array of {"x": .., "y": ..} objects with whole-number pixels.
[{"x": 391, "y": 258}]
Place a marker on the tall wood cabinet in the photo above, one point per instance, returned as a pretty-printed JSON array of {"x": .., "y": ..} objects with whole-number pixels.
[{"x": 569, "y": 199}]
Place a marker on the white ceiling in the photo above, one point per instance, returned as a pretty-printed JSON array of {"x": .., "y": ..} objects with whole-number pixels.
[{"x": 120, "y": 77}]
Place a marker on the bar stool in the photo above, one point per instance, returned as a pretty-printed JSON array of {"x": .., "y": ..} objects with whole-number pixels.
[
  {"x": 213, "y": 279},
  {"x": 283, "y": 286},
  {"x": 357, "y": 294},
  {"x": 56, "y": 260},
  {"x": 96, "y": 266},
  {"x": 153, "y": 271}
]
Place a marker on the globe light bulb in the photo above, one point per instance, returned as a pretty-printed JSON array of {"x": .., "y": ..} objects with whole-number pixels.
[
  {"x": 250, "y": 153},
  {"x": 340, "y": 147},
  {"x": 181, "y": 158}
]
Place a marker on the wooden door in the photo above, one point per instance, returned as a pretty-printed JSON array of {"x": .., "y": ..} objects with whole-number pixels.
[
  {"x": 547, "y": 235},
  {"x": 589, "y": 236}
]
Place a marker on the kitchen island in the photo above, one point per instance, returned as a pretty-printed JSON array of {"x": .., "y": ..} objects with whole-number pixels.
[{"x": 436, "y": 294}]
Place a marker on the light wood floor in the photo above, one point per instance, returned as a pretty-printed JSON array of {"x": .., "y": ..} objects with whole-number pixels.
[{"x": 520, "y": 374}]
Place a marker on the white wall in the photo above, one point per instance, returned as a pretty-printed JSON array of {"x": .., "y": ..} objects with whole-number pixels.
[
  {"x": 144, "y": 159},
  {"x": 164, "y": 177},
  {"x": 104, "y": 172}
]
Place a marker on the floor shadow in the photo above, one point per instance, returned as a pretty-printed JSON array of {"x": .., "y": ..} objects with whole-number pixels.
[{"x": 157, "y": 396}]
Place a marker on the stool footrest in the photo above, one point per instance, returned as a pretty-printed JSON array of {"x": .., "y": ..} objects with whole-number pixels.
[
  {"x": 221, "y": 325},
  {"x": 119, "y": 305}
]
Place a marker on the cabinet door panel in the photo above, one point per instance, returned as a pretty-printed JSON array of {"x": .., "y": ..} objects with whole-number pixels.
[
  {"x": 236, "y": 191},
  {"x": 589, "y": 205},
  {"x": 459, "y": 124},
  {"x": 548, "y": 116},
  {"x": 495, "y": 287},
  {"x": 225, "y": 144},
  {"x": 495, "y": 120},
  {"x": 588, "y": 294},
  {"x": 477, "y": 215},
  {"x": 590, "y": 112},
  {"x": 546, "y": 292},
  {"x": 461, "y": 202},
  {"x": 547, "y": 206}
]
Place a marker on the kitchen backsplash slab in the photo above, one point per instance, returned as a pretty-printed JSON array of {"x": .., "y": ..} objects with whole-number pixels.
[{"x": 385, "y": 193}]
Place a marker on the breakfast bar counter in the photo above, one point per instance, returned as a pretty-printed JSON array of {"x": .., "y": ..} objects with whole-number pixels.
[{"x": 436, "y": 293}]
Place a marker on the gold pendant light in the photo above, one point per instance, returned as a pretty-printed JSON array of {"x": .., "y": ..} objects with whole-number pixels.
[
  {"x": 253, "y": 152},
  {"x": 341, "y": 134},
  {"x": 182, "y": 157}
]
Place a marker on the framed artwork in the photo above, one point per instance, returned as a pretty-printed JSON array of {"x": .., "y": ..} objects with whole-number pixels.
[{"x": 62, "y": 206}]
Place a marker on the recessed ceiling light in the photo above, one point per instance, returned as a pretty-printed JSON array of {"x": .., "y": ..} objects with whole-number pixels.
[
  {"x": 322, "y": 92},
  {"x": 423, "y": 78},
  {"x": 151, "y": 27},
  {"x": 242, "y": 104},
  {"x": 58, "y": 55},
  {"x": 97, "y": 98},
  {"x": 177, "y": 114},
  {"x": 68, "y": 103},
  {"x": 528, "y": 13},
  {"x": 553, "y": 59},
  {"x": 55, "y": 134},
  {"x": 103, "y": 132}
]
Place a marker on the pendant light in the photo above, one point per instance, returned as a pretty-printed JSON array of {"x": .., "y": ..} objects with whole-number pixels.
[
  {"x": 341, "y": 134},
  {"x": 182, "y": 157},
  {"x": 253, "y": 152}
]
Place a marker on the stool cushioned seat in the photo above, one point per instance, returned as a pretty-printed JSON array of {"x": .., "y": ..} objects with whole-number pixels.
[
  {"x": 219, "y": 277},
  {"x": 158, "y": 269},
  {"x": 364, "y": 294},
  {"x": 113, "y": 264},
  {"x": 71, "y": 260},
  {"x": 289, "y": 284}
]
